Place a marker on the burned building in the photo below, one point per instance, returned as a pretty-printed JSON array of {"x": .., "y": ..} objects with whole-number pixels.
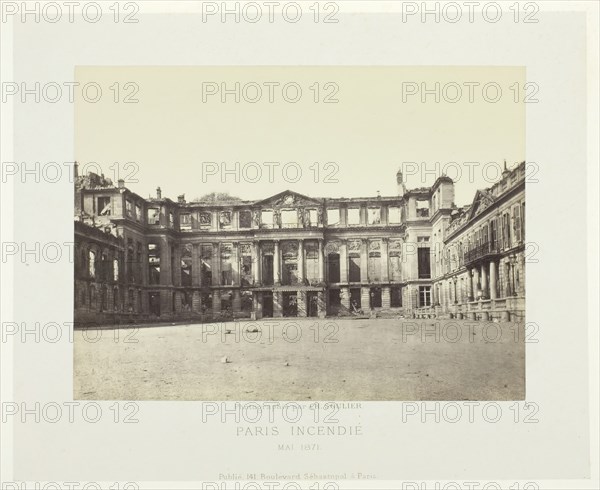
[{"x": 412, "y": 254}]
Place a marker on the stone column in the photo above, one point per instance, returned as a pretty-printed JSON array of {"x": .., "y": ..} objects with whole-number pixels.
[
  {"x": 469, "y": 286},
  {"x": 493, "y": 280},
  {"x": 364, "y": 261},
  {"x": 365, "y": 298},
  {"x": 177, "y": 302},
  {"x": 236, "y": 305},
  {"x": 302, "y": 303},
  {"x": 256, "y": 305},
  {"x": 196, "y": 265},
  {"x": 216, "y": 267},
  {"x": 343, "y": 262},
  {"x": 475, "y": 282},
  {"x": 196, "y": 303},
  {"x": 385, "y": 275},
  {"x": 165, "y": 262},
  {"x": 276, "y": 265},
  {"x": 385, "y": 297},
  {"x": 277, "y": 304},
  {"x": 256, "y": 263},
  {"x": 345, "y": 298},
  {"x": 216, "y": 301},
  {"x": 321, "y": 307},
  {"x": 177, "y": 263},
  {"x": 235, "y": 264},
  {"x": 484, "y": 286},
  {"x": 300, "y": 265},
  {"x": 321, "y": 262}
]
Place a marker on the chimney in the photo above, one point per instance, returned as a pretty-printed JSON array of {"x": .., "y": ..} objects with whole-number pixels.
[
  {"x": 505, "y": 172},
  {"x": 158, "y": 193},
  {"x": 181, "y": 199},
  {"x": 378, "y": 194},
  {"x": 75, "y": 170},
  {"x": 121, "y": 183},
  {"x": 400, "y": 182}
]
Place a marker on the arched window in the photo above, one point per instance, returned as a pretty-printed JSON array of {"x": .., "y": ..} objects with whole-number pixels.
[{"x": 92, "y": 264}]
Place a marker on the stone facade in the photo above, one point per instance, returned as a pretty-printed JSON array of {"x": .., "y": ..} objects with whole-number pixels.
[{"x": 154, "y": 259}]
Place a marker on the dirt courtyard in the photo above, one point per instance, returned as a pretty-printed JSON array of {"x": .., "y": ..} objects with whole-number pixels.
[{"x": 303, "y": 359}]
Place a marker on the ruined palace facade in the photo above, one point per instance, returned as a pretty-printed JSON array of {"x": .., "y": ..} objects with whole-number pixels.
[{"x": 414, "y": 254}]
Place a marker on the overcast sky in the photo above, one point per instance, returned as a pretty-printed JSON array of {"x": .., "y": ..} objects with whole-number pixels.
[{"x": 177, "y": 124}]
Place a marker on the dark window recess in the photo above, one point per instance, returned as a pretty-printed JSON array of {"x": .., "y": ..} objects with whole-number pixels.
[
  {"x": 186, "y": 266},
  {"x": 104, "y": 206},
  {"x": 424, "y": 263},
  {"x": 245, "y": 219},
  {"x": 333, "y": 262},
  {"x": 375, "y": 297},
  {"x": 354, "y": 269}
]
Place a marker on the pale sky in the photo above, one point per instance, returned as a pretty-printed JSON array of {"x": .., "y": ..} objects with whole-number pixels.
[{"x": 368, "y": 133}]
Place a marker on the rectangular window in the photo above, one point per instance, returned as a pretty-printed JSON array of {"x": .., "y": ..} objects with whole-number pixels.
[
  {"x": 186, "y": 265},
  {"x": 266, "y": 219},
  {"x": 104, "y": 207},
  {"x": 394, "y": 215},
  {"x": 226, "y": 265},
  {"x": 493, "y": 234},
  {"x": 185, "y": 221},
  {"x": 289, "y": 218},
  {"x": 245, "y": 219},
  {"x": 153, "y": 263},
  {"x": 395, "y": 297},
  {"x": 517, "y": 222},
  {"x": 354, "y": 268},
  {"x": 395, "y": 266},
  {"x": 171, "y": 220},
  {"x": 523, "y": 221},
  {"x": 311, "y": 261},
  {"x": 313, "y": 217},
  {"x": 424, "y": 295},
  {"x": 422, "y": 209},
  {"x": 129, "y": 208},
  {"x": 333, "y": 217},
  {"x": 374, "y": 266},
  {"x": 506, "y": 230},
  {"x": 246, "y": 273},
  {"x": 353, "y": 216},
  {"x": 424, "y": 263},
  {"x": 374, "y": 216},
  {"x": 206, "y": 264},
  {"x": 333, "y": 267},
  {"x": 138, "y": 212},
  {"x": 153, "y": 216}
]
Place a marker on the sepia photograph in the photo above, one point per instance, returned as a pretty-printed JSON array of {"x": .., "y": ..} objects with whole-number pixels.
[
  {"x": 371, "y": 277},
  {"x": 286, "y": 245}
]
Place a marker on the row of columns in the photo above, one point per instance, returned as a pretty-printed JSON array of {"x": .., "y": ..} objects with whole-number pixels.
[
  {"x": 170, "y": 273},
  {"x": 477, "y": 279}
]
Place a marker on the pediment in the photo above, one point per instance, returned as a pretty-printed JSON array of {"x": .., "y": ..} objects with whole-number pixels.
[
  {"x": 481, "y": 202},
  {"x": 289, "y": 199}
]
